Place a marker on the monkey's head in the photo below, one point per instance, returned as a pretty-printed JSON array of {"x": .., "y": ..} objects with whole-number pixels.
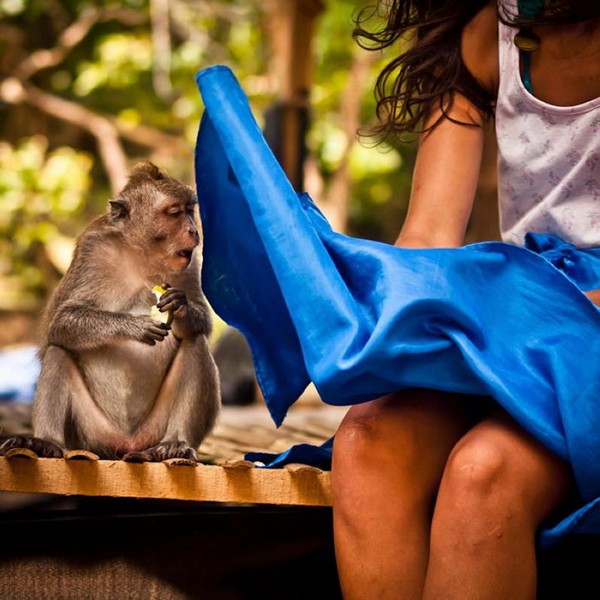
[{"x": 158, "y": 216}]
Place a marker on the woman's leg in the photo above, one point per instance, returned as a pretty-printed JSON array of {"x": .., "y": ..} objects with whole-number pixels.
[
  {"x": 498, "y": 486},
  {"x": 388, "y": 460}
]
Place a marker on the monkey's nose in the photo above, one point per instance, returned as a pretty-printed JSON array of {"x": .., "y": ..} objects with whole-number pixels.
[{"x": 194, "y": 234}]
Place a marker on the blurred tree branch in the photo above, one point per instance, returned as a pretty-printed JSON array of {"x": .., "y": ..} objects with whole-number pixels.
[
  {"x": 161, "y": 45},
  {"x": 107, "y": 130},
  {"x": 74, "y": 35}
]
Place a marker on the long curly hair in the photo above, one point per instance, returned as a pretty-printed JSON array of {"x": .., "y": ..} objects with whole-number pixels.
[{"x": 429, "y": 71}]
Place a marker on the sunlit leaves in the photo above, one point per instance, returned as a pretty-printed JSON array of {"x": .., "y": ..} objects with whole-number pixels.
[
  {"x": 40, "y": 191},
  {"x": 43, "y": 182},
  {"x": 11, "y": 7},
  {"x": 367, "y": 162},
  {"x": 120, "y": 60}
]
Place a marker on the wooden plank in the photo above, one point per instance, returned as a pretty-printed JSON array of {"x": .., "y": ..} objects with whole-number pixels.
[{"x": 203, "y": 483}]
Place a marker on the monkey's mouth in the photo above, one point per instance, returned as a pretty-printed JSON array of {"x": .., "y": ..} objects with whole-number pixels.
[{"x": 185, "y": 253}]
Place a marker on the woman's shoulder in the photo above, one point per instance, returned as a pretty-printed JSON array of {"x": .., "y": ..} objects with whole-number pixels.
[{"x": 479, "y": 47}]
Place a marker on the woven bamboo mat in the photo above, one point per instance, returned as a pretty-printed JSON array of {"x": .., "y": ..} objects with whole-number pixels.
[{"x": 238, "y": 430}]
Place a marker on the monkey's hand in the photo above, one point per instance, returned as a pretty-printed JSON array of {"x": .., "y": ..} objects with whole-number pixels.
[
  {"x": 149, "y": 331},
  {"x": 176, "y": 301},
  {"x": 43, "y": 448}
]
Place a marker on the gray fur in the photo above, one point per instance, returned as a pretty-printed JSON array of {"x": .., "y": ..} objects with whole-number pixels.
[{"x": 114, "y": 381}]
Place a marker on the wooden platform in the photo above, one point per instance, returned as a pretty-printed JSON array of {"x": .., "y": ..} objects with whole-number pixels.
[
  {"x": 239, "y": 482},
  {"x": 228, "y": 478}
]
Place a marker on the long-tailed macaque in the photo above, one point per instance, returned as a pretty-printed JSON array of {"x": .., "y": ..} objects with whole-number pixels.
[{"x": 114, "y": 380}]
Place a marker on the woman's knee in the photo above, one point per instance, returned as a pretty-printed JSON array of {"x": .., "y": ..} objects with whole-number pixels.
[
  {"x": 415, "y": 424},
  {"x": 362, "y": 434},
  {"x": 403, "y": 438},
  {"x": 376, "y": 462},
  {"x": 476, "y": 469},
  {"x": 497, "y": 466},
  {"x": 377, "y": 430}
]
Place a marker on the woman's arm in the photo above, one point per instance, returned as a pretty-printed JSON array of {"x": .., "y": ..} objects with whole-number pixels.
[
  {"x": 444, "y": 181},
  {"x": 449, "y": 156}
]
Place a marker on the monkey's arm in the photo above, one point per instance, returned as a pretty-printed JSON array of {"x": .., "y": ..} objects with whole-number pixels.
[{"x": 80, "y": 327}]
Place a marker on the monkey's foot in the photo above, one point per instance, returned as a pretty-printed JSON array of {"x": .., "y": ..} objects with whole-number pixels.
[
  {"x": 163, "y": 451},
  {"x": 43, "y": 448},
  {"x": 138, "y": 457}
]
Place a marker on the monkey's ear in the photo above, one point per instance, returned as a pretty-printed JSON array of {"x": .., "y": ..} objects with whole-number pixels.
[{"x": 119, "y": 209}]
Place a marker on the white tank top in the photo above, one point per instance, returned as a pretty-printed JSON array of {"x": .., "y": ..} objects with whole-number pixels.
[{"x": 548, "y": 160}]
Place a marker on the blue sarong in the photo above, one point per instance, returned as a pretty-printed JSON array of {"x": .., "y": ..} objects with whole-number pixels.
[{"x": 361, "y": 319}]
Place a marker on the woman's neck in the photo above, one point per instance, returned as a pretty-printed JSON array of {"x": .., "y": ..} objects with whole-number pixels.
[{"x": 565, "y": 69}]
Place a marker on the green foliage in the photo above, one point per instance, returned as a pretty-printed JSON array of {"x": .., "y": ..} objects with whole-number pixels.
[
  {"x": 40, "y": 193},
  {"x": 121, "y": 59},
  {"x": 11, "y": 7},
  {"x": 380, "y": 174},
  {"x": 50, "y": 186}
]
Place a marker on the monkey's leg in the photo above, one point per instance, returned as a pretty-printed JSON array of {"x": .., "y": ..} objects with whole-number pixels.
[
  {"x": 50, "y": 408},
  {"x": 188, "y": 402},
  {"x": 53, "y": 399},
  {"x": 64, "y": 413}
]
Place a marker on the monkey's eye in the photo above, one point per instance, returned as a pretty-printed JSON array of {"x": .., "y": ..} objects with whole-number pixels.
[{"x": 174, "y": 211}]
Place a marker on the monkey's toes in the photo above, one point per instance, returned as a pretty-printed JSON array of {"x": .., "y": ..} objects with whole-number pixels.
[
  {"x": 174, "y": 449},
  {"x": 138, "y": 457},
  {"x": 8, "y": 443},
  {"x": 43, "y": 448}
]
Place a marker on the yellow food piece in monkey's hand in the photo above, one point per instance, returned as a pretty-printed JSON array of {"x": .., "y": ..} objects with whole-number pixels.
[{"x": 155, "y": 313}]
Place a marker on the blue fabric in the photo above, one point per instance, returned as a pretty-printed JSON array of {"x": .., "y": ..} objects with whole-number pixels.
[
  {"x": 530, "y": 8},
  {"x": 361, "y": 318},
  {"x": 19, "y": 372},
  {"x": 317, "y": 456}
]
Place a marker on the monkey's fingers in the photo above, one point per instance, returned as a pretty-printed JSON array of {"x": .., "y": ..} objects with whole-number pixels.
[
  {"x": 155, "y": 332},
  {"x": 177, "y": 308},
  {"x": 172, "y": 299},
  {"x": 158, "y": 328},
  {"x": 163, "y": 289}
]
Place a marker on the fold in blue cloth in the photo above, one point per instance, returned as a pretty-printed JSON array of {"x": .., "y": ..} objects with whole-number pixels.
[{"x": 361, "y": 318}]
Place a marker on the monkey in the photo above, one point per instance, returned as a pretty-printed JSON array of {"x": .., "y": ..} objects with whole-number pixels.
[
  {"x": 236, "y": 369},
  {"x": 113, "y": 380}
]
